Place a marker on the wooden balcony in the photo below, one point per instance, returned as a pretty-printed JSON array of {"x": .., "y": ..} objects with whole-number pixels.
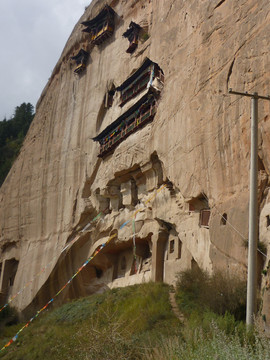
[
  {"x": 101, "y": 27},
  {"x": 80, "y": 68},
  {"x": 127, "y": 130},
  {"x": 139, "y": 84},
  {"x": 105, "y": 33},
  {"x": 132, "y": 46},
  {"x": 131, "y": 92}
]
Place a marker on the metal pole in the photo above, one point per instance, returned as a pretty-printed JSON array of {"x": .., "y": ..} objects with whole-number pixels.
[
  {"x": 253, "y": 215},
  {"x": 253, "y": 207}
]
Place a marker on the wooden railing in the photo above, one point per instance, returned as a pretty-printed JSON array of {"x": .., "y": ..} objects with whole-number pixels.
[
  {"x": 132, "y": 46},
  {"x": 136, "y": 87},
  {"x": 161, "y": 76},
  {"x": 139, "y": 85},
  {"x": 79, "y": 68},
  {"x": 127, "y": 130},
  {"x": 102, "y": 35}
]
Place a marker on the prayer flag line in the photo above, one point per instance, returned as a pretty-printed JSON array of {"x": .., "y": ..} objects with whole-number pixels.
[
  {"x": 46, "y": 266},
  {"x": 79, "y": 270},
  {"x": 58, "y": 293}
]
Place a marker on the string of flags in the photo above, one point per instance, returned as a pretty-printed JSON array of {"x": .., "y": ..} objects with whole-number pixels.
[
  {"x": 58, "y": 293},
  {"x": 46, "y": 266},
  {"x": 83, "y": 265},
  {"x": 134, "y": 245}
]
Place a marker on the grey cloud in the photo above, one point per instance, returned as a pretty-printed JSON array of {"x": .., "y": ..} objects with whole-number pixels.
[{"x": 32, "y": 35}]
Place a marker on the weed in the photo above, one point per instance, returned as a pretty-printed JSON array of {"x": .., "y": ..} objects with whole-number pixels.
[
  {"x": 145, "y": 36},
  {"x": 261, "y": 246},
  {"x": 8, "y": 317},
  {"x": 215, "y": 344},
  {"x": 137, "y": 322},
  {"x": 118, "y": 324},
  {"x": 198, "y": 291}
]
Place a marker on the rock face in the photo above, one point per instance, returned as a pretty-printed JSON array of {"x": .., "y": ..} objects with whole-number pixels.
[{"x": 173, "y": 189}]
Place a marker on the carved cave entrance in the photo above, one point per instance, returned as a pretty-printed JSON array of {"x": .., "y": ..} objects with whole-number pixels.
[{"x": 8, "y": 272}]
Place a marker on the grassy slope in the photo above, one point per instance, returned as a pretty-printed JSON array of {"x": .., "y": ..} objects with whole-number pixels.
[
  {"x": 135, "y": 322},
  {"x": 118, "y": 324}
]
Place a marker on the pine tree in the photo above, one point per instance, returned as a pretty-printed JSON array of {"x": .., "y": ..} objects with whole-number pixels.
[{"x": 12, "y": 134}]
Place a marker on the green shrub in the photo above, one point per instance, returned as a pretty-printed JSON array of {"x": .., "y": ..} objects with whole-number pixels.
[
  {"x": 8, "y": 317},
  {"x": 145, "y": 36},
  {"x": 198, "y": 291},
  {"x": 214, "y": 344}
]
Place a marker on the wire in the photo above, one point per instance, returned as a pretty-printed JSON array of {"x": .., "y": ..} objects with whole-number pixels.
[
  {"x": 134, "y": 245},
  {"x": 78, "y": 271},
  {"x": 46, "y": 266},
  {"x": 214, "y": 206}
]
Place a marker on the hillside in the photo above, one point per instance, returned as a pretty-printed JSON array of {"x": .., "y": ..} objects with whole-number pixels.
[
  {"x": 136, "y": 165},
  {"x": 132, "y": 323},
  {"x": 115, "y": 325}
]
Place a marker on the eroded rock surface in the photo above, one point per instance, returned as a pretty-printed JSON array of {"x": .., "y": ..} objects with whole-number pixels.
[{"x": 179, "y": 183}]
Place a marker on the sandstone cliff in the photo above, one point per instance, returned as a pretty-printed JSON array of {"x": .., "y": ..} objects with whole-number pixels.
[{"x": 197, "y": 145}]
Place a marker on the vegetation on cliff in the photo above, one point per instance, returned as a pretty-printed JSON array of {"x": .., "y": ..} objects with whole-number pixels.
[
  {"x": 12, "y": 134},
  {"x": 118, "y": 324},
  {"x": 137, "y": 322}
]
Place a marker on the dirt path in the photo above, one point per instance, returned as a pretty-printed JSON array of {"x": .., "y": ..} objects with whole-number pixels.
[{"x": 175, "y": 309}]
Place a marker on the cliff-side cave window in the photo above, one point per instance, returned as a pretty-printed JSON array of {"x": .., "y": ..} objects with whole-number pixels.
[
  {"x": 13, "y": 266},
  {"x": 80, "y": 59},
  {"x": 147, "y": 76},
  {"x": 135, "y": 266},
  {"x": 179, "y": 249},
  {"x": 99, "y": 272},
  {"x": 205, "y": 217},
  {"x": 194, "y": 265},
  {"x": 11, "y": 280},
  {"x": 133, "y": 119},
  {"x": 104, "y": 202},
  {"x": 101, "y": 27},
  {"x": 198, "y": 203},
  {"x": 132, "y": 34},
  {"x": 9, "y": 273},
  {"x": 171, "y": 246},
  {"x": 108, "y": 99},
  {"x": 267, "y": 220},
  {"x": 123, "y": 264},
  {"x": 223, "y": 220}
]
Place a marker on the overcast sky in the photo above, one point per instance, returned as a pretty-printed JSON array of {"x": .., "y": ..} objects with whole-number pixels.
[{"x": 33, "y": 34}]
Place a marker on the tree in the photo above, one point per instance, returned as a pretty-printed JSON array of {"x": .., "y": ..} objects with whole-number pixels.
[{"x": 12, "y": 134}]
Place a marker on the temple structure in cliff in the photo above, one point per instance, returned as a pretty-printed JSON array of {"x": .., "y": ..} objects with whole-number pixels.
[
  {"x": 148, "y": 77},
  {"x": 80, "y": 59},
  {"x": 100, "y": 27},
  {"x": 132, "y": 120},
  {"x": 132, "y": 34}
]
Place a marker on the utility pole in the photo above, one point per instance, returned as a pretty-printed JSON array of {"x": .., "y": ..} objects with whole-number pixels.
[{"x": 253, "y": 207}]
